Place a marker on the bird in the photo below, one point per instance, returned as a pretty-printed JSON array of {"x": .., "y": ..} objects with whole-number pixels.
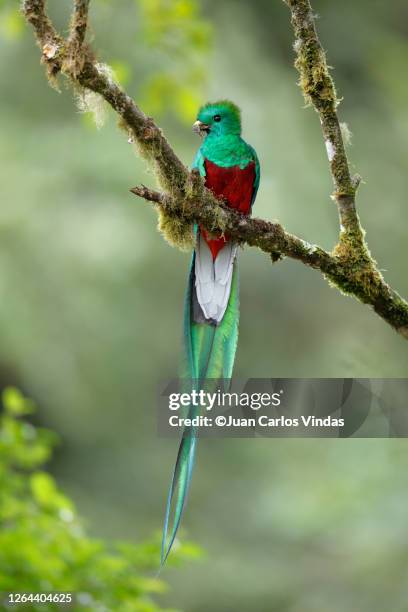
[{"x": 231, "y": 170}]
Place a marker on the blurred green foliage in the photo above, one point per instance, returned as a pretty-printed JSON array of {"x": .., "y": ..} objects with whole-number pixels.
[
  {"x": 43, "y": 544},
  {"x": 11, "y": 19},
  {"x": 175, "y": 30},
  {"x": 178, "y": 40}
]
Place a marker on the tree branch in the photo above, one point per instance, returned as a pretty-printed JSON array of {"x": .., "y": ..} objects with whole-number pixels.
[
  {"x": 76, "y": 53},
  {"x": 50, "y": 42},
  {"x": 184, "y": 200},
  {"x": 269, "y": 237},
  {"x": 319, "y": 90},
  {"x": 79, "y": 23}
]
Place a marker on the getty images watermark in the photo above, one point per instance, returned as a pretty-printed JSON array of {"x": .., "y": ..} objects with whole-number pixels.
[
  {"x": 284, "y": 408},
  {"x": 221, "y": 399},
  {"x": 208, "y": 400}
]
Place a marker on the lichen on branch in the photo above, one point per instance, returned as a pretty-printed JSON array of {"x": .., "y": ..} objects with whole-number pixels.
[{"x": 183, "y": 199}]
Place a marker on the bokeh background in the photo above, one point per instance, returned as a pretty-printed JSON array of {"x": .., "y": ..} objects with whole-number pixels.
[{"x": 91, "y": 297}]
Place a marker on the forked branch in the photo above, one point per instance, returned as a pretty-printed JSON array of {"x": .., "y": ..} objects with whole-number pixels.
[{"x": 183, "y": 198}]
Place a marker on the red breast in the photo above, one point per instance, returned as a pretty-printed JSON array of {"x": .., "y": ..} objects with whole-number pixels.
[{"x": 235, "y": 186}]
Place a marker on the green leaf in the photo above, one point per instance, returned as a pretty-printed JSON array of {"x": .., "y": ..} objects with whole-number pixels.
[
  {"x": 15, "y": 403},
  {"x": 46, "y": 494},
  {"x": 43, "y": 546}
]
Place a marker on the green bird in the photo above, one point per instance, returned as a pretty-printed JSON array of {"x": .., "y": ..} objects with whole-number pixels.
[{"x": 231, "y": 170}]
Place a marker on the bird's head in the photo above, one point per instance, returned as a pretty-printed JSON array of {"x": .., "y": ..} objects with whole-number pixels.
[{"x": 218, "y": 118}]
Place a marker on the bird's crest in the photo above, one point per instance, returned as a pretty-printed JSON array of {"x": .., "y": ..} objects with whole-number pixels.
[{"x": 227, "y": 104}]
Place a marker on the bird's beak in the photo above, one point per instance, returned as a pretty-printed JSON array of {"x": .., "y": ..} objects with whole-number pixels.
[{"x": 200, "y": 128}]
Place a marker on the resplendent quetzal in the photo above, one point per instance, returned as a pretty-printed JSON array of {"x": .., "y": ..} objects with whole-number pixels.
[{"x": 231, "y": 170}]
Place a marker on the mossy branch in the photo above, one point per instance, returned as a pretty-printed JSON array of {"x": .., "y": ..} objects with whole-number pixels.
[
  {"x": 217, "y": 216},
  {"x": 319, "y": 90},
  {"x": 184, "y": 200},
  {"x": 76, "y": 52}
]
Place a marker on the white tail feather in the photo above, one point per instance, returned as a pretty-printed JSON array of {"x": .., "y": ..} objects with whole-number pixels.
[{"x": 213, "y": 278}]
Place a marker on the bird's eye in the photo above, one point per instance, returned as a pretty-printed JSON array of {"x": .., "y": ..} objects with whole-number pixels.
[{"x": 217, "y": 118}]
